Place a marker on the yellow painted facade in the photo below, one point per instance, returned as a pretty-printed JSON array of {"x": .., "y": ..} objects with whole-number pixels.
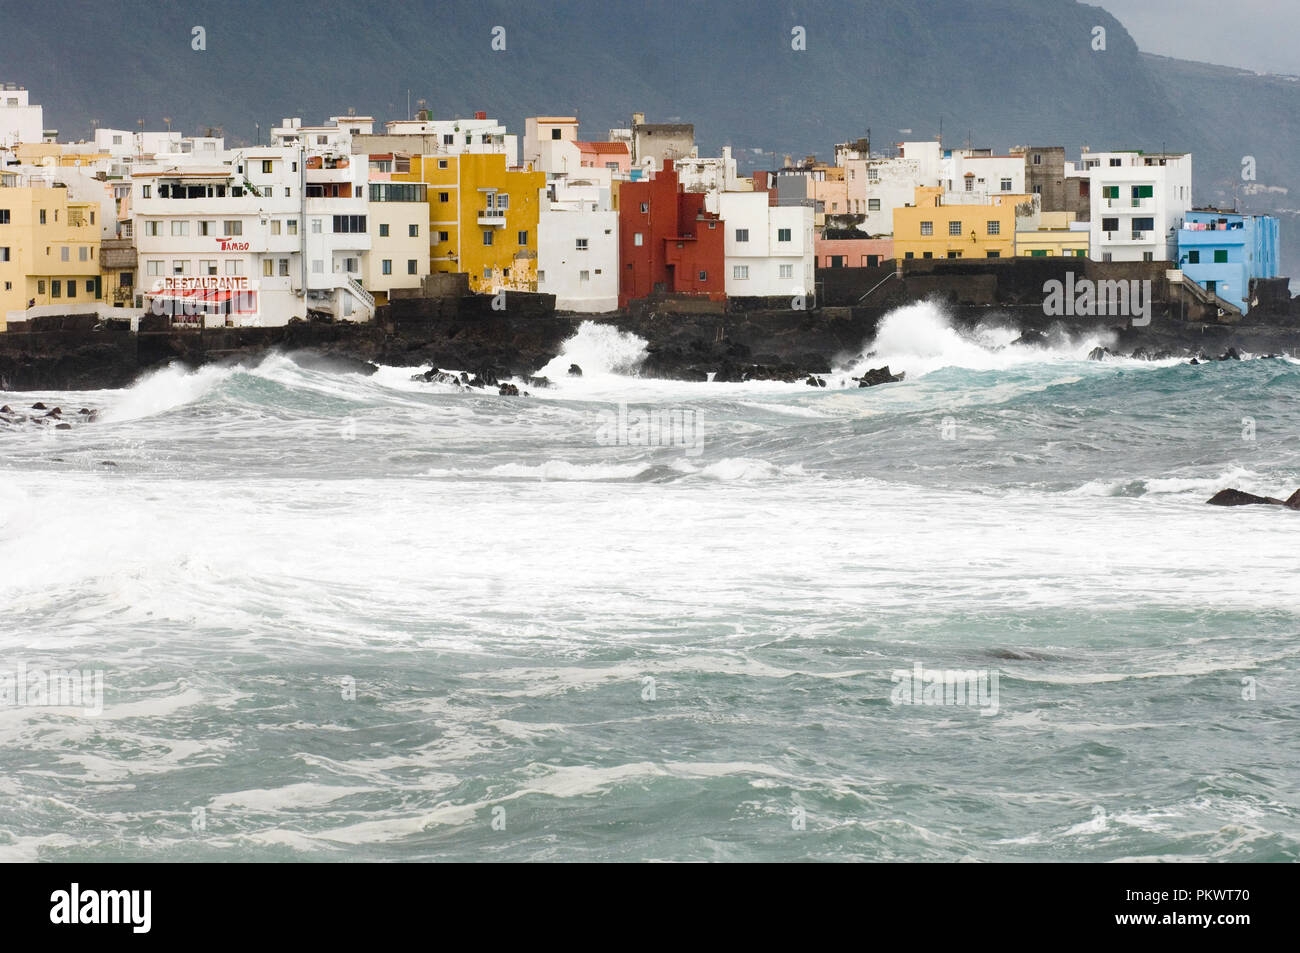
[
  {"x": 931, "y": 229},
  {"x": 49, "y": 249},
  {"x": 1053, "y": 238},
  {"x": 464, "y": 207}
]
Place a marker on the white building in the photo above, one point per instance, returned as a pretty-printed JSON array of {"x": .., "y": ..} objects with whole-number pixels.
[
  {"x": 20, "y": 120},
  {"x": 768, "y": 249},
  {"x": 972, "y": 176},
  {"x": 1137, "y": 203},
  {"x": 712, "y": 176},
  {"x": 577, "y": 246},
  {"x": 427, "y": 136},
  {"x": 543, "y": 135},
  {"x": 261, "y": 236},
  {"x": 877, "y": 185}
]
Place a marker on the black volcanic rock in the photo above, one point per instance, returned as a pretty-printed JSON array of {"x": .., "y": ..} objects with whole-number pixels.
[{"x": 1240, "y": 498}]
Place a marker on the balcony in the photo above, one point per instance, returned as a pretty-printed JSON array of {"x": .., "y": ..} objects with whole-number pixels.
[{"x": 492, "y": 216}]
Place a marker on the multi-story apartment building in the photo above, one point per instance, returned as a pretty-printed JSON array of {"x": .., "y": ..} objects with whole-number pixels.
[
  {"x": 937, "y": 227},
  {"x": 1138, "y": 203},
  {"x": 577, "y": 246},
  {"x": 49, "y": 247},
  {"x": 1224, "y": 251},
  {"x": 398, "y": 218},
  {"x": 265, "y": 235},
  {"x": 483, "y": 218},
  {"x": 446, "y": 137},
  {"x": 669, "y": 243},
  {"x": 768, "y": 248}
]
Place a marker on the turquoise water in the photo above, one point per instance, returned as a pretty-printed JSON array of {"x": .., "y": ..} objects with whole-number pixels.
[{"x": 349, "y": 618}]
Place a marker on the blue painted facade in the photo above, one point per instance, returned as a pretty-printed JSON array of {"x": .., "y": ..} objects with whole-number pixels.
[{"x": 1223, "y": 251}]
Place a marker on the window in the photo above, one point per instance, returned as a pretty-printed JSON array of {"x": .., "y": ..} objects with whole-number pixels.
[
  {"x": 72, "y": 288},
  {"x": 487, "y": 273},
  {"x": 447, "y": 139},
  {"x": 1115, "y": 163},
  {"x": 4, "y": 216},
  {"x": 704, "y": 276},
  {"x": 284, "y": 267},
  {"x": 503, "y": 200},
  {"x": 1038, "y": 190},
  {"x": 146, "y": 191},
  {"x": 580, "y": 244},
  {"x": 523, "y": 238},
  {"x": 180, "y": 229},
  {"x": 954, "y": 228},
  {"x": 584, "y": 276},
  {"x": 645, "y": 208},
  {"x": 275, "y": 226},
  {"x": 970, "y": 183},
  {"x": 787, "y": 271},
  {"x": 1141, "y": 192},
  {"x": 1110, "y": 225},
  {"x": 383, "y": 231},
  {"x": 266, "y": 166},
  {"x": 1110, "y": 191},
  {"x": 1038, "y": 158},
  {"x": 234, "y": 266},
  {"x": 1194, "y": 257},
  {"x": 783, "y": 234},
  {"x": 740, "y": 272},
  {"x": 742, "y": 234},
  {"x": 412, "y": 266},
  {"x": 153, "y": 268},
  {"x": 65, "y": 253},
  {"x": 292, "y": 226},
  {"x": 1220, "y": 256},
  {"x": 638, "y": 239},
  {"x": 208, "y": 266},
  {"x": 995, "y": 254},
  {"x": 1006, "y": 185},
  {"x": 442, "y": 163},
  {"x": 4, "y": 253},
  {"x": 287, "y": 191},
  {"x": 444, "y": 236},
  {"x": 994, "y": 228},
  {"x": 927, "y": 228},
  {"x": 268, "y": 267},
  {"x": 207, "y": 228},
  {"x": 1148, "y": 256},
  {"x": 555, "y": 133},
  {"x": 873, "y": 205},
  {"x": 909, "y": 255},
  {"x": 83, "y": 253},
  {"x": 349, "y": 224},
  {"x": 181, "y": 266},
  {"x": 954, "y": 254},
  {"x": 56, "y": 289},
  {"x": 351, "y": 265},
  {"x": 233, "y": 227},
  {"x": 153, "y": 229},
  {"x": 487, "y": 236},
  {"x": 873, "y": 174},
  {"x": 444, "y": 196},
  {"x": 315, "y": 226},
  {"x": 412, "y": 231},
  {"x": 317, "y": 266}
]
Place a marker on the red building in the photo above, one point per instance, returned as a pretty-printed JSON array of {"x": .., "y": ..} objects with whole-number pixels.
[{"x": 667, "y": 242}]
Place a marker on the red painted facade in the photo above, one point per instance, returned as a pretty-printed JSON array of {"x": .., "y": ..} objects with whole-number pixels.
[{"x": 681, "y": 249}]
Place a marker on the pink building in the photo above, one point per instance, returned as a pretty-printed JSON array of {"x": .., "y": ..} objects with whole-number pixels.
[
  {"x": 852, "y": 252},
  {"x": 605, "y": 155}
]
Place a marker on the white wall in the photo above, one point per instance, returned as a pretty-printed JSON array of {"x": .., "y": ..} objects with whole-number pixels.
[
  {"x": 1171, "y": 198},
  {"x": 578, "y": 213},
  {"x": 764, "y": 255},
  {"x": 20, "y": 121}
]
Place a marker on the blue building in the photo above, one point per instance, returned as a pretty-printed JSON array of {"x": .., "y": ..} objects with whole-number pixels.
[{"x": 1222, "y": 252}]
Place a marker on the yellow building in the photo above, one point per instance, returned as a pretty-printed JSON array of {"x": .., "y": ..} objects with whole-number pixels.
[
  {"x": 49, "y": 249},
  {"x": 933, "y": 229},
  {"x": 482, "y": 218},
  {"x": 1053, "y": 238}
]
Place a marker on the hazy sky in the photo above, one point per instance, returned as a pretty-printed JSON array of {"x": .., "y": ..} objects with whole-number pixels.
[{"x": 1262, "y": 35}]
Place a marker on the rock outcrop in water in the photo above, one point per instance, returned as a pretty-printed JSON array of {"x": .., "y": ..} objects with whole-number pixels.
[
  {"x": 881, "y": 375},
  {"x": 42, "y": 416},
  {"x": 1241, "y": 498}
]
